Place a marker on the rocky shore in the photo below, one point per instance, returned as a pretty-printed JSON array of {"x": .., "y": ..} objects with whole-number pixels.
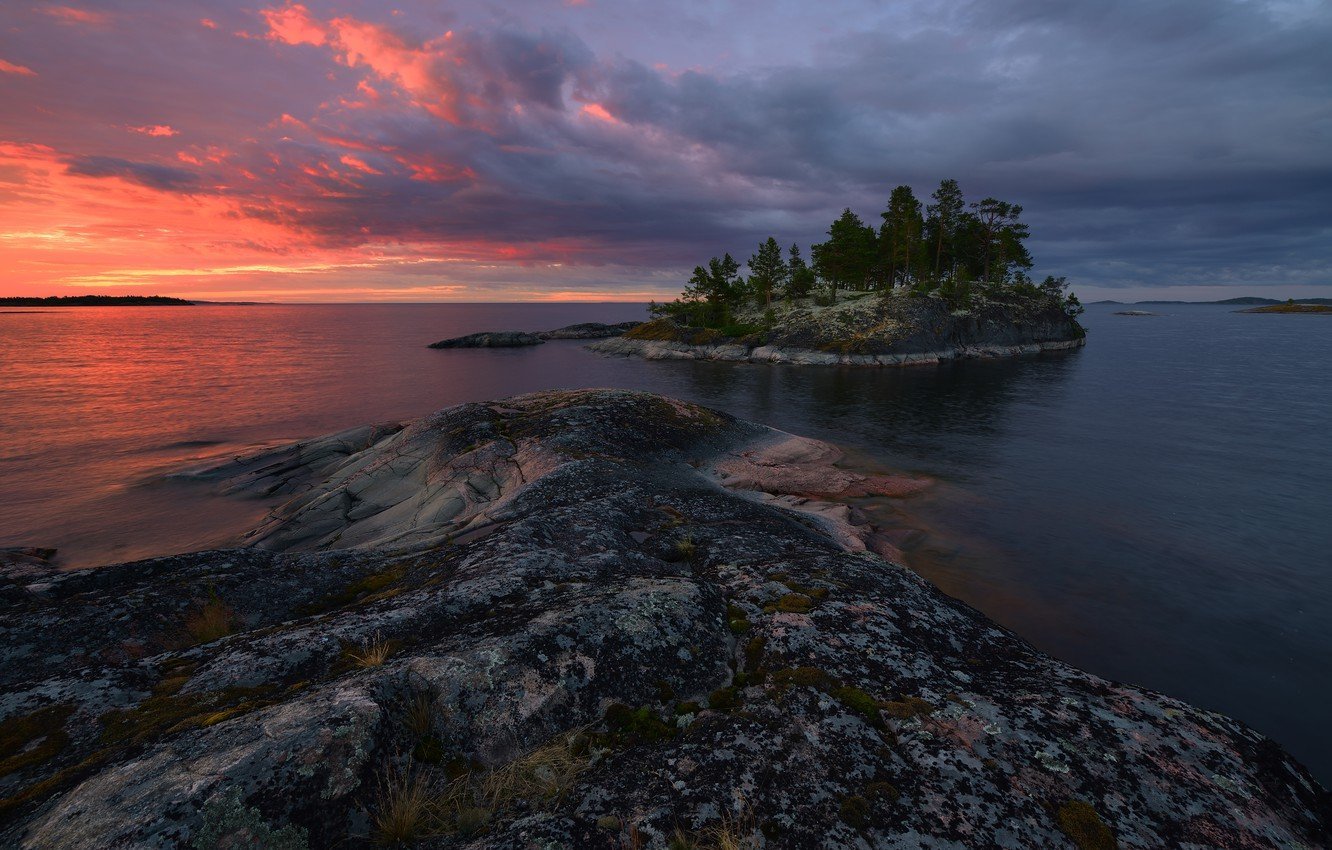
[
  {"x": 864, "y": 330},
  {"x": 582, "y": 619},
  {"x": 518, "y": 339}
]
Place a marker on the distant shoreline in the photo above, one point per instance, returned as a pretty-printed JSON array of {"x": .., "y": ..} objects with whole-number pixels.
[
  {"x": 96, "y": 301},
  {"x": 1244, "y": 301}
]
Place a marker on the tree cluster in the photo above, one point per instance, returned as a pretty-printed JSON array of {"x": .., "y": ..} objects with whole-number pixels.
[{"x": 948, "y": 247}]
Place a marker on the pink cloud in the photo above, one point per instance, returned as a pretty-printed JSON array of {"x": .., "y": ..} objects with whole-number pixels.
[
  {"x": 11, "y": 68},
  {"x": 293, "y": 24},
  {"x": 209, "y": 23},
  {"x": 419, "y": 70},
  {"x": 599, "y": 112},
  {"x": 73, "y": 15},
  {"x": 359, "y": 164},
  {"x": 156, "y": 130}
]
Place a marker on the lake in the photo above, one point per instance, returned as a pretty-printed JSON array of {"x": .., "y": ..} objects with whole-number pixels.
[{"x": 1154, "y": 508}]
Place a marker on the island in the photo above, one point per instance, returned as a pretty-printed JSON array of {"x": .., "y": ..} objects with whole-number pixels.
[
  {"x": 940, "y": 282},
  {"x": 519, "y": 339},
  {"x": 1290, "y": 307},
  {"x": 95, "y": 301},
  {"x": 593, "y": 619}
]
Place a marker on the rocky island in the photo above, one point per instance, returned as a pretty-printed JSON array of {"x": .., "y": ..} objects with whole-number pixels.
[
  {"x": 594, "y": 619},
  {"x": 519, "y": 339},
  {"x": 943, "y": 281},
  {"x": 862, "y": 329}
]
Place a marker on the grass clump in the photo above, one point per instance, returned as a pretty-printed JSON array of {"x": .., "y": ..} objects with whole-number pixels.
[
  {"x": 686, "y": 549},
  {"x": 372, "y": 654},
  {"x": 213, "y": 620},
  {"x": 860, "y": 702},
  {"x": 367, "y": 588},
  {"x": 1084, "y": 827},
  {"x": 737, "y": 619},
  {"x": 544, "y": 774},
  {"x": 791, "y": 603},
  {"x": 18, "y": 734},
  {"x": 407, "y": 809},
  {"x": 724, "y": 699},
  {"x": 629, "y": 726},
  {"x": 803, "y": 677},
  {"x": 908, "y": 707},
  {"x": 167, "y": 711}
]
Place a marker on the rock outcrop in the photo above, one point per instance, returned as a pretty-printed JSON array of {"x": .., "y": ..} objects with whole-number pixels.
[
  {"x": 589, "y": 330},
  {"x": 490, "y": 339},
  {"x": 518, "y": 339},
  {"x": 573, "y": 620},
  {"x": 866, "y": 330}
]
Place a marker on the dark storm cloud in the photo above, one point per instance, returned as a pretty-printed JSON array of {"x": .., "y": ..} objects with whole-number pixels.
[
  {"x": 162, "y": 177},
  {"x": 1171, "y": 141}
]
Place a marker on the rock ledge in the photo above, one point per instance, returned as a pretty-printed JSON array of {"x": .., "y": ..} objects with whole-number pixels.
[{"x": 573, "y": 620}]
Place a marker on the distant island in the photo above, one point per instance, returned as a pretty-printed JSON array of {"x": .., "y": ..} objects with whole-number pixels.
[
  {"x": 1290, "y": 307},
  {"x": 945, "y": 281},
  {"x": 1245, "y": 300},
  {"x": 96, "y": 301}
]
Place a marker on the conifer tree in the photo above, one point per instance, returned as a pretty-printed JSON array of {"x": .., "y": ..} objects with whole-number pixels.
[{"x": 767, "y": 270}]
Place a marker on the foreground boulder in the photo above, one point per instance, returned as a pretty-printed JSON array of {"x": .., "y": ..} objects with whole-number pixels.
[
  {"x": 490, "y": 339},
  {"x": 567, "y": 620}
]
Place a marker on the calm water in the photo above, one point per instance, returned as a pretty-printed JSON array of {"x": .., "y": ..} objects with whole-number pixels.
[{"x": 1155, "y": 508}]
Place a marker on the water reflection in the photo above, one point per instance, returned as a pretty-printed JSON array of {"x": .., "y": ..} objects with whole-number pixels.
[{"x": 1153, "y": 507}]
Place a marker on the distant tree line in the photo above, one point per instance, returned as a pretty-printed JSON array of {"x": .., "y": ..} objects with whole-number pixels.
[
  {"x": 93, "y": 301},
  {"x": 948, "y": 248}
]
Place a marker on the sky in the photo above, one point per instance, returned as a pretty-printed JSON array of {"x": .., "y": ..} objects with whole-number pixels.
[{"x": 598, "y": 150}]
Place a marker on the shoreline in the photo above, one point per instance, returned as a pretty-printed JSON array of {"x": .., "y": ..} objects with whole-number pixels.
[{"x": 736, "y": 352}]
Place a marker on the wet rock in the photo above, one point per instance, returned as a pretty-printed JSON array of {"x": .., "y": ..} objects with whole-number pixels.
[
  {"x": 566, "y": 620},
  {"x": 490, "y": 339}
]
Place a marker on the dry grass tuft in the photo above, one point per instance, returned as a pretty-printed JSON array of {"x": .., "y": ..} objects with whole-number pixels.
[
  {"x": 373, "y": 654},
  {"x": 544, "y": 774},
  {"x": 214, "y": 620},
  {"x": 419, "y": 718},
  {"x": 407, "y": 809}
]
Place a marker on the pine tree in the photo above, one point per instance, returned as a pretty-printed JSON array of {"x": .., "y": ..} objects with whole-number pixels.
[
  {"x": 847, "y": 259},
  {"x": 799, "y": 275},
  {"x": 767, "y": 270},
  {"x": 899, "y": 236},
  {"x": 944, "y": 219}
]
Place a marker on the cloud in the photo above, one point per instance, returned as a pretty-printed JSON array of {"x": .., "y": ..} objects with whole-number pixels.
[
  {"x": 73, "y": 14},
  {"x": 11, "y": 68},
  {"x": 155, "y": 130},
  {"x": 1187, "y": 142},
  {"x": 161, "y": 177}
]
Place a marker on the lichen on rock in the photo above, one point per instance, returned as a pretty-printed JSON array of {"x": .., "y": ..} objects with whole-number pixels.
[{"x": 562, "y": 674}]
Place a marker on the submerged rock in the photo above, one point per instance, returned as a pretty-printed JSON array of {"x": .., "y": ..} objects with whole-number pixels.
[
  {"x": 568, "y": 620},
  {"x": 490, "y": 339}
]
